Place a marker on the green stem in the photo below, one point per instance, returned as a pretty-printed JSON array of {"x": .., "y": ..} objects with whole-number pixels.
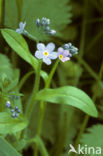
[
  {"x": 1, "y": 2},
  {"x": 43, "y": 106},
  {"x": 19, "y": 7},
  {"x": 83, "y": 32},
  {"x": 1, "y": 12},
  {"x": 62, "y": 135},
  {"x": 14, "y": 58},
  {"x": 94, "y": 40},
  {"x": 88, "y": 68},
  {"x": 24, "y": 79},
  {"x": 35, "y": 89},
  {"x": 30, "y": 36},
  {"x": 81, "y": 130},
  {"x": 94, "y": 20},
  {"x": 51, "y": 74}
]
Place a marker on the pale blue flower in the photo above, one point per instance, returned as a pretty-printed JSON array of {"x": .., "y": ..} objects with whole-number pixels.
[
  {"x": 46, "y": 53},
  {"x": 64, "y": 55},
  {"x": 21, "y": 28}
]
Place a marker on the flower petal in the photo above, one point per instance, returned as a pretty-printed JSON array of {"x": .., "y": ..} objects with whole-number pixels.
[
  {"x": 39, "y": 54},
  {"x": 50, "y": 47},
  {"x": 40, "y": 46},
  {"x": 65, "y": 53},
  {"x": 22, "y": 25},
  {"x": 60, "y": 50},
  {"x": 53, "y": 55},
  {"x": 65, "y": 59},
  {"x": 47, "y": 60},
  {"x": 19, "y": 31}
]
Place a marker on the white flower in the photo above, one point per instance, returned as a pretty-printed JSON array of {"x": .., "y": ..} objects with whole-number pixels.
[
  {"x": 21, "y": 27},
  {"x": 46, "y": 53}
]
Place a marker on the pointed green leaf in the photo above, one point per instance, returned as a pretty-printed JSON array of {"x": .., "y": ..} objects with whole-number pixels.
[
  {"x": 19, "y": 45},
  {"x": 6, "y": 149},
  {"x": 70, "y": 96}
]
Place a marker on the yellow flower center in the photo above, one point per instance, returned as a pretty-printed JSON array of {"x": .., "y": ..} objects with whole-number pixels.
[
  {"x": 46, "y": 53},
  {"x": 60, "y": 56}
]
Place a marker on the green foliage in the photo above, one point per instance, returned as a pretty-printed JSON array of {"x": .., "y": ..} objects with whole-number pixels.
[
  {"x": 9, "y": 79},
  {"x": 6, "y": 149},
  {"x": 71, "y": 96},
  {"x": 5, "y": 67},
  {"x": 10, "y": 125},
  {"x": 93, "y": 137},
  {"x": 57, "y": 11}
]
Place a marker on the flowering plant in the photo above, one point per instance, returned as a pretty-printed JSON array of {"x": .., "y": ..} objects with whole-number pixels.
[{"x": 48, "y": 54}]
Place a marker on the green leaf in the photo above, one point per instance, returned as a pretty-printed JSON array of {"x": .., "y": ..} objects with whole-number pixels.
[
  {"x": 19, "y": 45},
  {"x": 57, "y": 11},
  {"x": 93, "y": 137},
  {"x": 15, "y": 80},
  {"x": 11, "y": 125},
  {"x": 5, "y": 67},
  {"x": 70, "y": 96},
  {"x": 6, "y": 149}
]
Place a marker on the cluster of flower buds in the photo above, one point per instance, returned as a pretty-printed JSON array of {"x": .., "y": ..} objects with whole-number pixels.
[
  {"x": 72, "y": 49},
  {"x": 14, "y": 111},
  {"x": 44, "y": 24}
]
